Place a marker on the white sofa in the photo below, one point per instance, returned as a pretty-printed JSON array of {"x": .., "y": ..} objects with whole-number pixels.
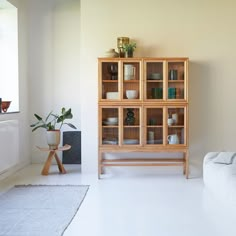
[{"x": 219, "y": 175}]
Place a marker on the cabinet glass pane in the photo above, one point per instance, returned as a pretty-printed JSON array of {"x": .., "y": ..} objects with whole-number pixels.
[
  {"x": 176, "y": 129},
  {"x": 154, "y": 80},
  {"x": 110, "y": 122},
  {"x": 154, "y": 125},
  {"x": 131, "y": 80},
  {"x": 109, "y": 80},
  {"x": 131, "y": 126},
  {"x": 176, "y": 80}
]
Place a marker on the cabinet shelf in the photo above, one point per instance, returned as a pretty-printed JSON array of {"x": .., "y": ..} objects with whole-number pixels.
[
  {"x": 154, "y": 81},
  {"x": 175, "y": 81},
  {"x": 132, "y": 81},
  {"x": 161, "y": 86},
  {"x": 110, "y": 81}
]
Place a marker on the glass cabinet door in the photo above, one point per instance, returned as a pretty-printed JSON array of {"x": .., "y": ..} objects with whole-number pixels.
[
  {"x": 131, "y": 126},
  {"x": 153, "y": 80},
  {"x": 176, "y": 123},
  {"x": 131, "y": 82},
  {"x": 109, "y": 125},
  {"x": 176, "y": 80},
  {"x": 153, "y": 125},
  {"x": 109, "y": 79}
]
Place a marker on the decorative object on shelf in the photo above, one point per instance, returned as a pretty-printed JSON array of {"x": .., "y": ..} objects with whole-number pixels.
[
  {"x": 155, "y": 76},
  {"x": 111, "y": 121},
  {"x": 152, "y": 121},
  {"x": 111, "y": 53},
  {"x": 5, "y": 105},
  {"x": 112, "y": 95},
  {"x": 175, "y": 118},
  {"x": 173, "y": 74},
  {"x": 129, "y": 49},
  {"x": 157, "y": 93},
  {"x": 173, "y": 139},
  {"x": 151, "y": 137},
  {"x": 131, "y": 94},
  {"x": 129, "y": 72},
  {"x": 171, "y": 93},
  {"x": 120, "y": 43},
  {"x": 170, "y": 121},
  {"x": 113, "y": 71},
  {"x": 50, "y": 122},
  {"x": 130, "y": 119}
]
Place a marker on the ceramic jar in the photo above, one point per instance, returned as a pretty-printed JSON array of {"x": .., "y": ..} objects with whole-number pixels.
[{"x": 111, "y": 53}]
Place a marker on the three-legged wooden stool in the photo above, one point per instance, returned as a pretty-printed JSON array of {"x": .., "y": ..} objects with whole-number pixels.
[{"x": 53, "y": 153}]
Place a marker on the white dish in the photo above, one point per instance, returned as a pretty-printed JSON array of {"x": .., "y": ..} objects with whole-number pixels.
[
  {"x": 110, "y": 123},
  {"x": 157, "y": 76},
  {"x": 131, "y": 94},
  {"x": 112, "y": 119},
  {"x": 112, "y": 95},
  {"x": 131, "y": 141},
  {"x": 112, "y": 142}
]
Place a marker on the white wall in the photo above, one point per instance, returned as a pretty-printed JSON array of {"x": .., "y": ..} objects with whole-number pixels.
[
  {"x": 54, "y": 69},
  {"x": 201, "y": 30}
]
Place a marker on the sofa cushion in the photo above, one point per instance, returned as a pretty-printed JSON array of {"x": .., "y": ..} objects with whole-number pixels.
[{"x": 225, "y": 158}]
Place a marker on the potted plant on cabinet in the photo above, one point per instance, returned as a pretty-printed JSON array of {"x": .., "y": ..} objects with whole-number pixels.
[
  {"x": 129, "y": 49},
  {"x": 53, "y": 124}
]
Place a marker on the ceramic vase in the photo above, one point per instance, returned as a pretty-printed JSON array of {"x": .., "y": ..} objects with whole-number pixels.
[{"x": 53, "y": 139}]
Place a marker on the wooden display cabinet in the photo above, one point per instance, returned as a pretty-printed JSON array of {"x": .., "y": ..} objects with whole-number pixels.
[{"x": 153, "y": 120}]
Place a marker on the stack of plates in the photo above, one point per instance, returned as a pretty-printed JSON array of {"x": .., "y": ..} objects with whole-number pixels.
[
  {"x": 110, "y": 141},
  {"x": 110, "y": 122},
  {"x": 131, "y": 141}
]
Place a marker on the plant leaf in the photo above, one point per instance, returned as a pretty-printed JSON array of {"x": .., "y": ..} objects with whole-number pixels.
[
  {"x": 38, "y": 117},
  {"x": 72, "y": 126}
]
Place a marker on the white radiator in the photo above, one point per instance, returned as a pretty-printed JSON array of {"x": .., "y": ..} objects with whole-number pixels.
[{"x": 9, "y": 144}]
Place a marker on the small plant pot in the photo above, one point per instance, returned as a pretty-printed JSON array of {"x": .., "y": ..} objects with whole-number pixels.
[
  {"x": 129, "y": 53},
  {"x": 53, "y": 139}
]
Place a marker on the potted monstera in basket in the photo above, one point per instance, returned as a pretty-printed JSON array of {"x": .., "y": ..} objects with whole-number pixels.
[{"x": 53, "y": 124}]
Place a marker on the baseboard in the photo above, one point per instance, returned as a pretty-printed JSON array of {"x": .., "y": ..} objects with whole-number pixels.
[{"x": 6, "y": 173}]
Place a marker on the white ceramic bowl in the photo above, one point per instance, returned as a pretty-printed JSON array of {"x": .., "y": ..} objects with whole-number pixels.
[
  {"x": 112, "y": 119},
  {"x": 131, "y": 94},
  {"x": 112, "y": 95}
]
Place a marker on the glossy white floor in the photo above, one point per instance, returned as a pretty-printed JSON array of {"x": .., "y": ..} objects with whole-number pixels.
[{"x": 143, "y": 203}]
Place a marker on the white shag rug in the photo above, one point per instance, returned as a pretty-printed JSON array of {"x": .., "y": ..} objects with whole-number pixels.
[{"x": 39, "y": 210}]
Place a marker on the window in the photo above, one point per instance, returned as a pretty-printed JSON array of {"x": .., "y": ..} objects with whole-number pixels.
[{"x": 9, "y": 83}]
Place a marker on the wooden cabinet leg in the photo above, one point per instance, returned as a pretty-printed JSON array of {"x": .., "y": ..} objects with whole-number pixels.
[
  {"x": 47, "y": 164},
  {"x": 99, "y": 164},
  {"x": 186, "y": 165}
]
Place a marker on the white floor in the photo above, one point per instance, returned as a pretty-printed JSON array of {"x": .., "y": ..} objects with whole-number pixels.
[{"x": 139, "y": 204}]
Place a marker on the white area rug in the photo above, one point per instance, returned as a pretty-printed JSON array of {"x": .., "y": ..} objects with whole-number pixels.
[{"x": 39, "y": 210}]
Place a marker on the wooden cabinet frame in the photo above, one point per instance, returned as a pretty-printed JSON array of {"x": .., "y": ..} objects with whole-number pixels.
[{"x": 112, "y": 138}]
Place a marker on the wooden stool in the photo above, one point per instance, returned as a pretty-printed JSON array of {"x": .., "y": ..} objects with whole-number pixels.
[{"x": 52, "y": 153}]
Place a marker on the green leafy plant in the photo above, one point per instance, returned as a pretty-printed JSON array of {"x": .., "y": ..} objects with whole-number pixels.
[
  {"x": 53, "y": 121},
  {"x": 129, "y": 47}
]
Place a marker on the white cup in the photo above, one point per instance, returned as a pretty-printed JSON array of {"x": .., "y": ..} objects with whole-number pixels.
[
  {"x": 129, "y": 72},
  {"x": 170, "y": 121}
]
